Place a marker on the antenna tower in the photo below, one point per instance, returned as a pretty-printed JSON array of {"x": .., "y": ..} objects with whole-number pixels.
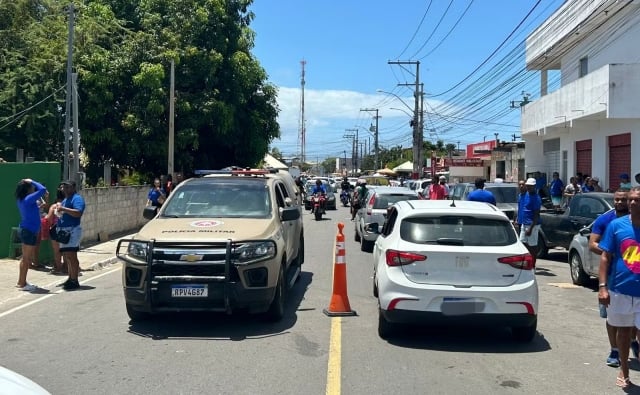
[{"x": 302, "y": 120}]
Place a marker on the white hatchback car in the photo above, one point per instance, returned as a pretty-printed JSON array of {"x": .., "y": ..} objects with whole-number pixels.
[{"x": 454, "y": 262}]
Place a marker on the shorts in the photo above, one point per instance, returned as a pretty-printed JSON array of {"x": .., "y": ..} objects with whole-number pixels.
[
  {"x": 28, "y": 237},
  {"x": 74, "y": 240},
  {"x": 532, "y": 239},
  {"x": 623, "y": 310},
  {"x": 556, "y": 200}
]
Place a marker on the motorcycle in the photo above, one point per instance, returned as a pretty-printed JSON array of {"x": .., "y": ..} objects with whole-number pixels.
[
  {"x": 344, "y": 197},
  {"x": 317, "y": 205}
]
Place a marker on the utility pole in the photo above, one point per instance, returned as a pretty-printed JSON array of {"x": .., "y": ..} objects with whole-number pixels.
[
  {"x": 376, "y": 165},
  {"x": 75, "y": 171},
  {"x": 417, "y": 142},
  {"x": 303, "y": 130},
  {"x": 67, "y": 116},
  {"x": 171, "y": 123},
  {"x": 354, "y": 156}
]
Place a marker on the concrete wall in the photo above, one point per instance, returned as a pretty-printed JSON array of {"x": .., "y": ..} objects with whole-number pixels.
[{"x": 112, "y": 210}]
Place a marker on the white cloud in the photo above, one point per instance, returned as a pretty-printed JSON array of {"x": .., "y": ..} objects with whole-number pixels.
[{"x": 328, "y": 113}]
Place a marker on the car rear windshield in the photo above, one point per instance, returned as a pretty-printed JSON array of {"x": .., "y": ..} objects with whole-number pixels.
[
  {"x": 384, "y": 201},
  {"x": 457, "y": 230},
  {"x": 219, "y": 200}
]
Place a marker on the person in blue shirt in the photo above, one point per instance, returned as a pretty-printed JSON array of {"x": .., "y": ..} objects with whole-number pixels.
[
  {"x": 480, "y": 194},
  {"x": 156, "y": 195},
  {"x": 529, "y": 205},
  {"x": 319, "y": 188},
  {"x": 620, "y": 208},
  {"x": 556, "y": 189},
  {"x": 619, "y": 276},
  {"x": 71, "y": 210},
  {"x": 28, "y": 194}
]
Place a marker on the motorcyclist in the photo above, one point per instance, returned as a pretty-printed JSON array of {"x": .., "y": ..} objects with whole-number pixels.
[
  {"x": 319, "y": 188},
  {"x": 358, "y": 198},
  {"x": 344, "y": 185}
]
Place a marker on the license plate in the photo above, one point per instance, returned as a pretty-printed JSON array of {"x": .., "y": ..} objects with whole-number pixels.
[
  {"x": 461, "y": 306},
  {"x": 189, "y": 291}
]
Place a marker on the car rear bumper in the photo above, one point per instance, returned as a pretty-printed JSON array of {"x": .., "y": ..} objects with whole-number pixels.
[{"x": 478, "y": 319}]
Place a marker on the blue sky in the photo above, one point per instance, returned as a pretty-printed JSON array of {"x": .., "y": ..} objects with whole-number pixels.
[{"x": 471, "y": 55}]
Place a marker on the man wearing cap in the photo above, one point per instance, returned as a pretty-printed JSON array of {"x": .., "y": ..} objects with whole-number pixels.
[
  {"x": 480, "y": 194},
  {"x": 625, "y": 182},
  {"x": 595, "y": 182},
  {"x": 529, "y": 204},
  {"x": 439, "y": 191},
  {"x": 71, "y": 209}
]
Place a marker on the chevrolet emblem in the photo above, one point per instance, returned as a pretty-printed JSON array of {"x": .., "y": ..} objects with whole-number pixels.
[{"x": 191, "y": 257}]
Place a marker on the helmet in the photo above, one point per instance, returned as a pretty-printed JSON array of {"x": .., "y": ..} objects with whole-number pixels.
[
  {"x": 345, "y": 179},
  {"x": 318, "y": 182}
]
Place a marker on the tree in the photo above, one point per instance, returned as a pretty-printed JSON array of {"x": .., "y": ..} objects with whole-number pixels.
[
  {"x": 225, "y": 108},
  {"x": 329, "y": 165}
]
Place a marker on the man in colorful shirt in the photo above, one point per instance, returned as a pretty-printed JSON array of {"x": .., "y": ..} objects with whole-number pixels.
[{"x": 619, "y": 275}]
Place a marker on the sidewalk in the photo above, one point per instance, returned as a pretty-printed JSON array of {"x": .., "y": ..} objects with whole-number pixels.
[{"x": 92, "y": 257}]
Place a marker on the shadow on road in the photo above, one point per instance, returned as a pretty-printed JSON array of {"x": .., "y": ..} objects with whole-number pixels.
[
  {"x": 466, "y": 339},
  {"x": 220, "y": 326}
]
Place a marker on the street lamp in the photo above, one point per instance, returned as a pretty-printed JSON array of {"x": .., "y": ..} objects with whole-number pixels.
[{"x": 417, "y": 135}]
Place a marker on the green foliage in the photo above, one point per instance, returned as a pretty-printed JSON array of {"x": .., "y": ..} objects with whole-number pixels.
[
  {"x": 225, "y": 108},
  {"x": 134, "y": 178},
  {"x": 329, "y": 165}
]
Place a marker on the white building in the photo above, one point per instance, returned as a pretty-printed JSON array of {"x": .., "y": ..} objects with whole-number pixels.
[{"x": 591, "y": 124}]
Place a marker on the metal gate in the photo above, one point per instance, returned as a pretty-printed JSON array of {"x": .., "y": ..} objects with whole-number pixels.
[
  {"x": 583, "y": 157},
  {"x": 619, "y": 158}
]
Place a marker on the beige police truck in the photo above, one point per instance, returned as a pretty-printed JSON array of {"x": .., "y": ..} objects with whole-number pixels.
[{"x": 224, "y": 241}]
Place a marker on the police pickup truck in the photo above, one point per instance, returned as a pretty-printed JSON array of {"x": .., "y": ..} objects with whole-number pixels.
[{"x": 222, "y": 242}]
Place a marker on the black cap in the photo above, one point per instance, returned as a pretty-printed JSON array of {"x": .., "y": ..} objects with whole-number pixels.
[
  {"x": 69, "y": 182},
  {"x": 480, "y": 182}
]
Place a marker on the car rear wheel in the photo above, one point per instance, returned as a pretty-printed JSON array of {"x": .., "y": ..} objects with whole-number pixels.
[
  {"x": 385, "y": 328},
  {"x": 356, "y": 235},
  {"x": 136, "y": 315},
  {"x": 543, "y": 250},
  {"x": 525, "y": 334},
  {"x": 375, "y": 287},
  {"x": 578, "y": 275},
  {"x": 366, "y": 245}
]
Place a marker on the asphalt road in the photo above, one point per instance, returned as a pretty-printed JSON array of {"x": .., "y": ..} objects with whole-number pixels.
[{"x": 82, "y": 342}]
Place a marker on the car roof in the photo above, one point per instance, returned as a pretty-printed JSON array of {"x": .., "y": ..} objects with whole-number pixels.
[
  {"x": 391, "y": 191},
  {"x": 444, "y": 207}
]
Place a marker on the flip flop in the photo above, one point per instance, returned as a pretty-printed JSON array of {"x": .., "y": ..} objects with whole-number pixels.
[{"x": 623, "y": 382}]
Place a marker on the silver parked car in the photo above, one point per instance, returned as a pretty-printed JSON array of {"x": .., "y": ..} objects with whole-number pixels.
[
  {"x": 375, "y": 210},
  {"x": 583, "y": 264}
]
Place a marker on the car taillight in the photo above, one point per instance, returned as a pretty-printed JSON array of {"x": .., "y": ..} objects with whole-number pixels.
[
  {"x": 370, "y": 204},
  {"x": 398, "y": 258},
  {"x": 524, "y": 262}
]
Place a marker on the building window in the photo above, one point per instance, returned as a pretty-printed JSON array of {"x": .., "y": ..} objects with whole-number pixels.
[{"x": 584, "y": 67}]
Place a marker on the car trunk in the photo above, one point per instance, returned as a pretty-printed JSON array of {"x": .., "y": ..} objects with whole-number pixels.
[{"x": 465, "y": 267}]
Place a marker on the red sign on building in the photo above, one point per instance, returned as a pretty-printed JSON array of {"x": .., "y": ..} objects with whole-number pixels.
[
  {"x": 479, "y": 150},
  {"x": 463, "y": 162}
]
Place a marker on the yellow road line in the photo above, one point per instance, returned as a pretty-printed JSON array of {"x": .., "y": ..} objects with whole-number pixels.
[{"x": 335, "y": 357}]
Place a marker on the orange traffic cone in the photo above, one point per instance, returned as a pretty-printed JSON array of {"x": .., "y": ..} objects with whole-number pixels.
[{"x": 339, "y": 305}]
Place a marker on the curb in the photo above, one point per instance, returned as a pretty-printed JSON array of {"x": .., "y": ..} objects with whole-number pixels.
[{"x": 102, "y": 264}]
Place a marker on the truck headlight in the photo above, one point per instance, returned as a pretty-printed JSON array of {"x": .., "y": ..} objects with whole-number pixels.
[
  {"x": 255, "y": 251},
  {"x": 138, "y": 251}
]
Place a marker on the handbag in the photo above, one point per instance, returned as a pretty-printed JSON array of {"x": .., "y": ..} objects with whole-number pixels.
[{"x": 59, "y": 235}]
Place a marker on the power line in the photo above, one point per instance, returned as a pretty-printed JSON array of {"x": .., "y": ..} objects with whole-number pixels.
[{"x": 16, "y": 117}]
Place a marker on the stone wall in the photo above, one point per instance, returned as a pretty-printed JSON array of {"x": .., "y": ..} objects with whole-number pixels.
[{"x": 112, "y": 210}]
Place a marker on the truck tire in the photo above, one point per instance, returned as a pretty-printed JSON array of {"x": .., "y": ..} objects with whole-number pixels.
[
  {"x": 543, "y": 250},
  {"x": 578, "y": 275},
  {"x": 276, "y": 310},
  {"x": 136, "y": 315}
]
